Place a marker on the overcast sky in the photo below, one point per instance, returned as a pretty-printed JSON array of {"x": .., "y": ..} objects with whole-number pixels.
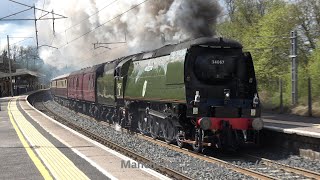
[
  {"x": 16, "y": 28},
  {"x": 8, "y": 7}
]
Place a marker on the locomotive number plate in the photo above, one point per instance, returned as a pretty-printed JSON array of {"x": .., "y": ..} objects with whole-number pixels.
[{"x": 217, "y": 61}]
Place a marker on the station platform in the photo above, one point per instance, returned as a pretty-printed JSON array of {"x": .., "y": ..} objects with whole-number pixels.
[
  {"x": 34, "y": 146},
  {"x": 292, "y": 124}
]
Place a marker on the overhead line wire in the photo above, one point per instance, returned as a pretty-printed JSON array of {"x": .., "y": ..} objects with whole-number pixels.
[
  {"x": 21, "y": 40},
  {"x": 37, "y": 8},
  {"x": 100, "y": 53},
  {"x": 2, "y": 18},
  {"x": 85, "y": 19}
]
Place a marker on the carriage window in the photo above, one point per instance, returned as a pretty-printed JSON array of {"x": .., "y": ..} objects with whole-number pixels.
[
  {"x": 89, "y": 83},
  {"x": 92, "y": 83},
  {"x": 77, "y": 82}
]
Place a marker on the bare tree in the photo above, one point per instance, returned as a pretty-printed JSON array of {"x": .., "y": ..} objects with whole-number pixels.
[
  {"x": 246, "y": 9},
  {"x": 231, "y": 8},
  {"x": 308, "y": 14}
]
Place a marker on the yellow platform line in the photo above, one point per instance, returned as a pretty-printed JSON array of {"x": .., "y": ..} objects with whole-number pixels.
[
  {"x": 57, "y": 163},
  {"x": 37, "y": 162},
  {"x": 52, "y": 161},
  {"x": 46, "y": 149}
]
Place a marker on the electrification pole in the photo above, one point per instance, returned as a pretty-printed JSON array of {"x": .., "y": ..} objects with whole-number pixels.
[
  {"x": 10, "y": 77},
  {"x": 294, "y": 67},
  {"x": 35, "y": 24}
]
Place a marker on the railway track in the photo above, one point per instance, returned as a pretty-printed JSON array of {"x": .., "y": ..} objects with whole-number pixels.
[
  {"x": 256, "y": 167},
  {"x": 38, "y": 103},
  {"x": 260, "y": 168},
  {"x": 282, "y": 170}
]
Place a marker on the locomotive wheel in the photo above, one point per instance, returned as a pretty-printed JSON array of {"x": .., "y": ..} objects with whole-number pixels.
[
  {"x": 197, "y": 147},
  {"x": 179, "y": 138},
  {"x": 120, "y": 117},
  {"x": 96, "y": 113},
  {"x": 142, "y": 123},
  {"x": 76, "y": 109},
  {"x": 154, "y": 127},
  {"x": 168, "y": 131},
  {"x": 109, "y": 115}
]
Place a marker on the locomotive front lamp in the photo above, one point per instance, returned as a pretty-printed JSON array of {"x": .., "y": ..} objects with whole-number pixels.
[
  {"x": 257, "y": 124},
  {"x": 205, "y": 123},
  {"x": 226, "y": 95}
]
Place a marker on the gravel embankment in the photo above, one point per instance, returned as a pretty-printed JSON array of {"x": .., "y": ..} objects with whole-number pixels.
[
  {"x": 273, "y": 154},
  {"x": 291, "y": 160},
  {"x": 192, "y": 167}
]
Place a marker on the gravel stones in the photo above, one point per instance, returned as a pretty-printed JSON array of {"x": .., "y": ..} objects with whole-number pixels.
[
  {"x": 190, "y": 166},
  {"x": 292, "y": 160}
]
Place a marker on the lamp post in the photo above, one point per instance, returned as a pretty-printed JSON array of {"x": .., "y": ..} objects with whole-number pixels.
[{"x": 10, "y": 76}]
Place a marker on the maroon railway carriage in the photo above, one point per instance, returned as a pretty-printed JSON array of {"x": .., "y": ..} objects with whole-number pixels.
[
  {"x": 75, "y": 83},
  {"x": 82, "y": 88},
  {"x": 59, "y": 86},
  {"x": 89, "y": 82}
]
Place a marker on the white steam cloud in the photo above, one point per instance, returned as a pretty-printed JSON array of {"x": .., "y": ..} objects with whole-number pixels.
[{"x": 144, "y": 24}]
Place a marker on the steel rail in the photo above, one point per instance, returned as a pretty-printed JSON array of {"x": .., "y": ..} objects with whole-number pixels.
[
  {"x": 164, "y": 170},
  {"x": 285, "y": 167},
  {"x": 210, "y": 159}
]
